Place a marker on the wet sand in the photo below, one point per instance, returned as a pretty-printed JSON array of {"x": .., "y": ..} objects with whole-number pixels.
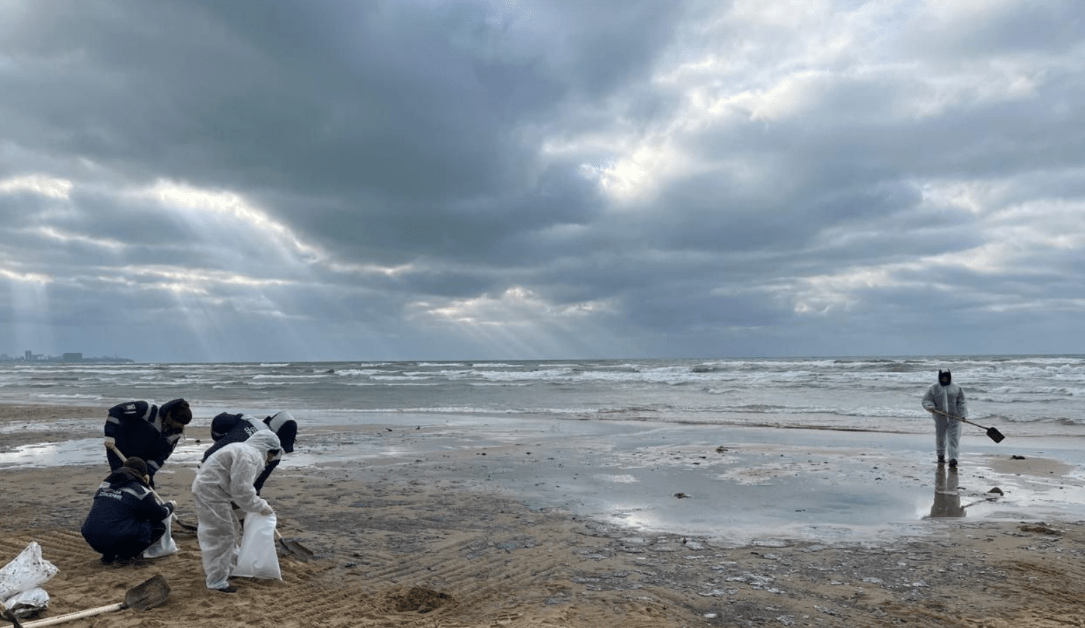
[{"x": 418, "y": 532}]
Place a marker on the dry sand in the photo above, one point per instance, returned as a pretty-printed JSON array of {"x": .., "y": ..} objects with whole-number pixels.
[{"x": 406, "y": 549}]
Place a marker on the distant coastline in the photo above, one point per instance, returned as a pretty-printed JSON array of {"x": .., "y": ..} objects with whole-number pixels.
[{"x": 32, "y": 358}]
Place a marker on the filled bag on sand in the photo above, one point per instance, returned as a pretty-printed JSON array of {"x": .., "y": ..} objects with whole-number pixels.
[
  {"x": 28, "y": 602},
  {"x": 257, "y": 557},
  {"x": 165, "y": 545},
  {"x": 27, "y": 571}
]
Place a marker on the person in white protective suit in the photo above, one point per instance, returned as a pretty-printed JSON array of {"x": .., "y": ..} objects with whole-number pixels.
[
  {"x": 226, "y": 478},
  {"x": 948, "y": 398}
]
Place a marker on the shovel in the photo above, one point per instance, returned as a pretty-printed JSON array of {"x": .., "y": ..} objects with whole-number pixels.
[
  {"x": 150, "y": 594},
  {"x": 294, "y": 548},
  {"x": 125, "y": 458},
  {"x": 992, "y": 432},
  {"x": 290, "y": 546},
  {"x": 186, "y": 525}
]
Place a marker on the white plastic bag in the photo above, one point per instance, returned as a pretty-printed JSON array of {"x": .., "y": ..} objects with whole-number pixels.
[
  {"x": 28, "y": 602},
  {"x": 165, "y": 545},
  {"x": 29, "y": 570},
  {"x": 257, "y": 557}
]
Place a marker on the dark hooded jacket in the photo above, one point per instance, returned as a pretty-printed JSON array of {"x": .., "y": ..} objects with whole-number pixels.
[
  {"x": 123, "y": 515},
  {"x": 229, "y": 428}
]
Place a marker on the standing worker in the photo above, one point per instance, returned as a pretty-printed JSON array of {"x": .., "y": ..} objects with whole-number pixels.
[
  {"x": 143, "y": 430},
  {"x": 126, "y": 517},
  {"x": 227, "y": 478},
  {"x": 948, "y": 398}
]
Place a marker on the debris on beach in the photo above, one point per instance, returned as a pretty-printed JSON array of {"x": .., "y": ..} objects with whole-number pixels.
[
  {"x": 420, "y": 600},
  {"x": 1016, "y": 457},
  {"x": 682, "y": 495},
  {"x": 1041, "y": 528},
  {"x": 996, "y": 491}
]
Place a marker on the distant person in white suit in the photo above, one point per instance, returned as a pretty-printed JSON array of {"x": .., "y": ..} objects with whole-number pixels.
[{"x": 946, "y": 397}]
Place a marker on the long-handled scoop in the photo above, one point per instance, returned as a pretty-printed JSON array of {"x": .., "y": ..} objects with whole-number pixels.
[
  {"x": 992, "y": 432},
  {"x": 149, "y": 594},
  {"x": 125, "y": 458}
]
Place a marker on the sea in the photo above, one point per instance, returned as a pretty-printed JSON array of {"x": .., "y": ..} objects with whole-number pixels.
[{"x": 1028, "y": 395}]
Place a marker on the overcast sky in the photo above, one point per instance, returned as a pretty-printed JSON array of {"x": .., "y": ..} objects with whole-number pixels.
[{"x": 419, "y": 179}]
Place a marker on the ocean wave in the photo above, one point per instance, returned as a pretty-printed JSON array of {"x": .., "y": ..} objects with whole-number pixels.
[
  {"x": 291, "y": 376},
  {"x": 1043, "y": 420},
  {"x": 70, "y": 396},
  {"x": 361, "y": 372}
]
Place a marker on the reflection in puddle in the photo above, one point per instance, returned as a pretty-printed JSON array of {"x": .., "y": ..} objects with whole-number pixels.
[{"x": 947, "y": 500}]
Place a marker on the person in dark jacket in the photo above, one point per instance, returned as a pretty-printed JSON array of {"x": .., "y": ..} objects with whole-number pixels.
[
  {"x": 237, "y": 428},
  {"x": 126, "y": 517},
  {"x": 143, "y": 430}
]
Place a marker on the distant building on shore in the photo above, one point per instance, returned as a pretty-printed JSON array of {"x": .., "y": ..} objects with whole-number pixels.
[{"x": 30, "y": 356}]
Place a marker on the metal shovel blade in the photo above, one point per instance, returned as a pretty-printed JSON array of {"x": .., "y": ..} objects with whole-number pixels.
[
  {"x": 296, "y": 549},
  {"x": 995, "y": 435},
  {"x": 186, "y": 525},
  {"x": 149, "y": 594}
]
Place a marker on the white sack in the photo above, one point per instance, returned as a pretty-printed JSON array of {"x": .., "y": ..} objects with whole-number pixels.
[
  {"x": 257, "y": 557},
  {"x": 28, "y": 602},
  {"x": 165, "y": 545},
  {"x": 29, "y": 570}
]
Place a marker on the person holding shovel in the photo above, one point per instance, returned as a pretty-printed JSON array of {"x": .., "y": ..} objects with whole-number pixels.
[
  {"x": 225, "y": 479},
  {"x": 942, "y": 399},
  {"x": 146, "y": 431},
  {"x": 126, "y": 517}
]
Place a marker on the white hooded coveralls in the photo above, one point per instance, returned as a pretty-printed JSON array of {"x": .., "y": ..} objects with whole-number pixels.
[
  {"x": 227, "y": 476},
  {"x": 947, "y": 431}
]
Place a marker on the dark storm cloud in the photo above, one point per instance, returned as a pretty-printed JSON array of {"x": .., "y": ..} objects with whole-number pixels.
[{"x": 184, "y": 180}]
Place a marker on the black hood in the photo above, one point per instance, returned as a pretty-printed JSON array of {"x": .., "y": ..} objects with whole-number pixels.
[
  {"x": 125, "y": 475},
  {"x": 945, "y": 378}
]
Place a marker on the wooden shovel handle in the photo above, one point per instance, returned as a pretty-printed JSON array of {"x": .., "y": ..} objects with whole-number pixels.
[
  {"x": 125, "y": 458},
  {"x": 953, "y": 416},
  {"x": 113, "y": 447},
  {"x": 76, "y": 615},
  {"x": 959, "y": 419}
]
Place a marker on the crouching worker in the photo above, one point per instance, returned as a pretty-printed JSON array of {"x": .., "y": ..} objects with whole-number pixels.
[
  {"x": 226, "y": 478},
  {"x": 126, "y": 517}
]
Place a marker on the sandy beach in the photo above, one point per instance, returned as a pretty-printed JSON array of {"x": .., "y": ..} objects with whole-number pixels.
[{"x": 423, "y": 534}]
